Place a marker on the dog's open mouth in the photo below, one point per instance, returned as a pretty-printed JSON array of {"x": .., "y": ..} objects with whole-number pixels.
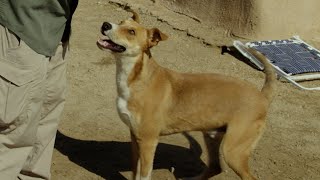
[{"x": 108, "y": 44}]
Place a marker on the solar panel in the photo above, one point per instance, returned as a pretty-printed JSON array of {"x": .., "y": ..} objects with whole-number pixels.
[
  {"x": 293, "y": 59},
  {"x": 290, "y": 55}
]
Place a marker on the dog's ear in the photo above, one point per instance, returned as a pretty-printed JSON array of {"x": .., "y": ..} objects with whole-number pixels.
[
  {"x": 135, "y": 15},
  {"x": 155, "y": 36}
]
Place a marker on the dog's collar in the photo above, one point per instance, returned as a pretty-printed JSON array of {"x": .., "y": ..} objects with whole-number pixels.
[{"x": 148, "y": 52}]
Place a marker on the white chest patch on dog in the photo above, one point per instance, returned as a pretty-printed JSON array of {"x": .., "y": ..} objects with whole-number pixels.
[
  {"x": 124, "y": 68},
  {"x": 124, "y": 113}
]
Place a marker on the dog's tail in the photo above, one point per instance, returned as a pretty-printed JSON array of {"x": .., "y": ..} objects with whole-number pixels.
[{"x": 269, "y": 84}]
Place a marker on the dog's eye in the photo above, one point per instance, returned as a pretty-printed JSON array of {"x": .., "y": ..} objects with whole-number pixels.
[{"x": 132, "y": 32}]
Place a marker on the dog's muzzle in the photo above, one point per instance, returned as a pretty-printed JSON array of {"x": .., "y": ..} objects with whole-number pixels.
[{"x": 106, "y": 43}]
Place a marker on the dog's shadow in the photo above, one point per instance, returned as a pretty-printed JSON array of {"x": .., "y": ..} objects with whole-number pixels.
[{"x": 108, "y": 159}]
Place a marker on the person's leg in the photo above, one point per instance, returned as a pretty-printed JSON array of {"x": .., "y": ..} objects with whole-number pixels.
[
  {"x": 22, "y": 75},
  {"x": 39, "y": 161}
]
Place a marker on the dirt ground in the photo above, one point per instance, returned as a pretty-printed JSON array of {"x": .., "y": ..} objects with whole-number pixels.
[{"x": 93, "y": 143}]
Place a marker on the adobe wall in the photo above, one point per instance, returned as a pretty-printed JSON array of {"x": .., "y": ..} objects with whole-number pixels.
[{"x": 255, "y": 18}]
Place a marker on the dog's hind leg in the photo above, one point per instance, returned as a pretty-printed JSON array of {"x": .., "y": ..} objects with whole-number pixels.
[
  {"x": 213, "y": 140},
  {"x": 238, "y": 143}
]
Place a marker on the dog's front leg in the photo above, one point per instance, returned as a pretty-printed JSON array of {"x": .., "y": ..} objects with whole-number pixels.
[
  {"x": 135, "y": 155},
  {"x": 147, "y": 147}
]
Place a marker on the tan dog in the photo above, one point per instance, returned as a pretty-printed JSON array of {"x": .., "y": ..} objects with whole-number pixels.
[{"x": 155, "y": 101}]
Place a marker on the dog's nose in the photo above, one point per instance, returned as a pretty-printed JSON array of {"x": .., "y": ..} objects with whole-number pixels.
[{"x": 106, "y": 26}]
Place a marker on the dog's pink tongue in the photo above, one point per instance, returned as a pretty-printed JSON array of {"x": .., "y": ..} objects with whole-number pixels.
[{"x": 103, "y": 43}]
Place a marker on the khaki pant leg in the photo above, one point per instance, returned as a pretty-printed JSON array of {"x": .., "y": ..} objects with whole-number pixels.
[
  {"x": 22, "y": 77},
  {"x": 39, "y": 161}
]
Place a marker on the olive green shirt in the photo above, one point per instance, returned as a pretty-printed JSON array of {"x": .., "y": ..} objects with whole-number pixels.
[{"x": 41, "y": 24}]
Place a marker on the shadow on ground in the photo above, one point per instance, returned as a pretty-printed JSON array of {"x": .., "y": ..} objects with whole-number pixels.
[
  {"x": 108, "y": 159},
  {"x": 236, "y": 54}
]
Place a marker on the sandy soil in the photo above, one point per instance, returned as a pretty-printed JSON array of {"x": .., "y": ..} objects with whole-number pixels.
[{"x": 93, "y": 143}]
